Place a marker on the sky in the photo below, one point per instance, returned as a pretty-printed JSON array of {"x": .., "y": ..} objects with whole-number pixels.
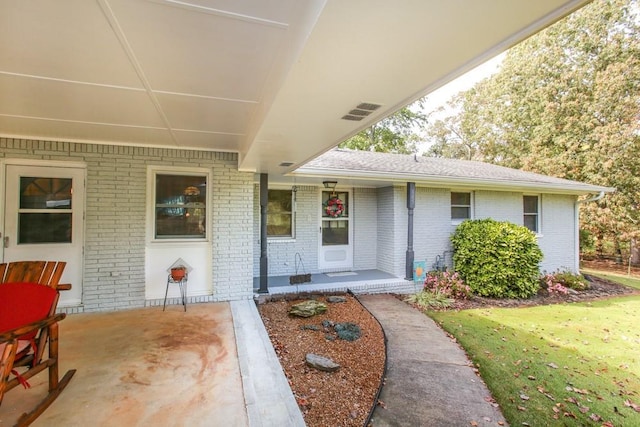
[{"x": 464, "y": 82}]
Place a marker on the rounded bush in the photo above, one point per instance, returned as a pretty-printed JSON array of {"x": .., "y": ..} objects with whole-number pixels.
[{"x": 497, "y": 259}]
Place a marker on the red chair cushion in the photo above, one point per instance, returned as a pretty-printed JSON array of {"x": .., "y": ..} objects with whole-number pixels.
[{"x": 23, "y": 303}]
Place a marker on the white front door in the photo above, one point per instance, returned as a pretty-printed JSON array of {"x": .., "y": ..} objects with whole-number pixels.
[
  {"x": 44, "y": 220},
  {"x": 336, "y": 240}
]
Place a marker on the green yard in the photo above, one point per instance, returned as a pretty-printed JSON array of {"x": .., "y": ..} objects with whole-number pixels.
[{"x": 564, "y": 364}]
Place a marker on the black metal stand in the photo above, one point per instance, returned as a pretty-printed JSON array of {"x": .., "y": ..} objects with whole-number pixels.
[{"x": 182, "y": 284}]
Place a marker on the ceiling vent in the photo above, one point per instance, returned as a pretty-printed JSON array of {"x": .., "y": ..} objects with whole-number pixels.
[
  {"x": 361, "y": 111},
  {"x": 286, "y": 164}
]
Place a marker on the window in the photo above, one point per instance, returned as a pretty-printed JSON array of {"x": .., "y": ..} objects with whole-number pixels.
[
  {"x": 460, "y": 206},
  {"x": 280, "y": 221},
  {"x": 180, "y": 206},
  {"x": 530, "y": 209}
]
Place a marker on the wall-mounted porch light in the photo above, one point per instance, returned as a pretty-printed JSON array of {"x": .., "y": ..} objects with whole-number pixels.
[{"x": 330, "y": 185}]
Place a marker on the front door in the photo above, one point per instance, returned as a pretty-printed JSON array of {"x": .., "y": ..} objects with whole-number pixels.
[
  {"x": 336, "y": 246},
  {"x": 44, "y": 220}
]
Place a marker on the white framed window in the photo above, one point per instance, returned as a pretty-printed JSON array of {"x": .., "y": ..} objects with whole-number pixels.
[
  {"x": 180, "y": 201},
  {"x": 280, "y": 214},
  {"x": 531, "y": 212},
  {"x": 461, "y": 206}
]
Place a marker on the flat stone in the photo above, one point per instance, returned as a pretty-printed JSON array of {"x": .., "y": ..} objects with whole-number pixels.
[
  {"x": 308, "y": 308},
  {"x": 336, "y": 299},
  {"x": 321, "y": 363}
]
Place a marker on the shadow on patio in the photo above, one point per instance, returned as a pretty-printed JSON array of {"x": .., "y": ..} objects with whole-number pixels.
[{"x": 143, "y": 367}]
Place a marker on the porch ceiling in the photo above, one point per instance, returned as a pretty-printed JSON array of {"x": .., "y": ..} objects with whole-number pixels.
[{"x": 267, "y": 79}]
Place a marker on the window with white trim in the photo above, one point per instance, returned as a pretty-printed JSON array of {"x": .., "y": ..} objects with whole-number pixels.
[
  {"x": 180, "y": 205},
  {"x": 531, "y": 213},
  {"x": 280, "y": 214},
  {"x": 460, "y": 206}
]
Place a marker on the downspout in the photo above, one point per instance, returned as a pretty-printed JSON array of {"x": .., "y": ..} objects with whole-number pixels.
[
  {"x": 264, "y": 266},
  {"x": 577, "y": 223},
  {"x": 411, "y": 204}
]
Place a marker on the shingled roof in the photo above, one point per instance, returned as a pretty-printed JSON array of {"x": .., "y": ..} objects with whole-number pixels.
[{"x": 372, "y": 166}]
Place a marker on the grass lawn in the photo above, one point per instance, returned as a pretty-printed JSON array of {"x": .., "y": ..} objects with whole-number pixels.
[{"x": 565, "y": 364}]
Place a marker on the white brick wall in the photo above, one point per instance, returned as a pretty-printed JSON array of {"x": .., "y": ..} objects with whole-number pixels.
[
  {"x": 432, "y": 225},
  {"x": 558, "y": 232},
  {"x": 116, "y": 214},
  {"x": 282, "y": 252},
  {"x": 365, "y": 228}
]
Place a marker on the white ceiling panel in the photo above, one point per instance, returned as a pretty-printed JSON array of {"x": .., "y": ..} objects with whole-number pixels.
[
  {"x": 214, "y": 55},
  {"x": 54, "y": 99},
  {"x": 67, "y": 39},
  {"x": 57, "y": 130},
  {"x": 212, "y": 115}
]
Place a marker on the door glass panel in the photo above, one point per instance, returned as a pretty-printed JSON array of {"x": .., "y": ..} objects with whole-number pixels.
[
  {"x": 335, "y": 233},
  {"x": 44, "y": 228},
  {"x": 45, "y": 193},
  {"x": 44, "y": 214}
]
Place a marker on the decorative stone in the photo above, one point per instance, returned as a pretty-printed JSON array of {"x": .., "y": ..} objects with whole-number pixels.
[
  {"x": 307, "y": 308},
  {"x": 336, "y": 299},
  {"x": 321, "y": 363}
]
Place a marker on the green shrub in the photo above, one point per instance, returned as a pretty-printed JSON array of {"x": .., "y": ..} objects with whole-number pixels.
[{"x": 497, "y": 259}]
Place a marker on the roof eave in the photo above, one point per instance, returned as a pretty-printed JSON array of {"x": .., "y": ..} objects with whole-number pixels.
[{"x": 455, "y": 182}]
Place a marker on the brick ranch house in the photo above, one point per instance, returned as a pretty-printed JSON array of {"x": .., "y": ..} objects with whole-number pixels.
[{"x": 136, "y": 134}]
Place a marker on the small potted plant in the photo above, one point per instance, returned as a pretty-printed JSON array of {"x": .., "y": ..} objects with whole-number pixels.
[{"x": 178, "y": 273}]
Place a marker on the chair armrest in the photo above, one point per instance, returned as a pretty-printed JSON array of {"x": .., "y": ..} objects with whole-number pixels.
[
  {"x": 34, "y": 326},
  {"x": 63, "y": 286}
]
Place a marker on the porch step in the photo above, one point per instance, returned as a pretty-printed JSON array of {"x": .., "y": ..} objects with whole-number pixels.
[{"x": 377, "y": 286}]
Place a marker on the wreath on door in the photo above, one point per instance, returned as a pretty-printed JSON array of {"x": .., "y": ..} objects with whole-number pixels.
[{"x": 334, "y": 207}]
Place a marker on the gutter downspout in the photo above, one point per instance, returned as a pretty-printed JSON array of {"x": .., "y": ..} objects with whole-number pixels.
[{"x": 577, "y": 223}]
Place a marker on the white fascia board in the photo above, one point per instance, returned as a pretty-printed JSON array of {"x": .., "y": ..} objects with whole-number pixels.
[{"x": 458, "y": 182}]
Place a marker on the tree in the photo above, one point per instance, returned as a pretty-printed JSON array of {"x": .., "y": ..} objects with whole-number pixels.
[
  {"x": 398, "y": 133},
  {"x": 566, "y": 102}
]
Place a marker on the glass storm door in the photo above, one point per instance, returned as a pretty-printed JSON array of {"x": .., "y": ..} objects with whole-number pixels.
[
  {"x": 336, "y": 234},
  {"x": 44, "y": 210}
]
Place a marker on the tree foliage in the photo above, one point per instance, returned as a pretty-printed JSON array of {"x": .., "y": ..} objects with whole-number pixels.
[
  {"x": 566, "y": 102},
  {"x": 398, "y": 133}
]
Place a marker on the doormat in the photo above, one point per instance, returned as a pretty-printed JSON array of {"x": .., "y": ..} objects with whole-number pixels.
[{"x": 342, "y": 273}]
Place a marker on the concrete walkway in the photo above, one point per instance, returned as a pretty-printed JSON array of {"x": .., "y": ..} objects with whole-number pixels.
[{"x": 429, "y": 381}]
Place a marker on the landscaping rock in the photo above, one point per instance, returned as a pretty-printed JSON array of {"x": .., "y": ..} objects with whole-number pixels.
[
  {"x": 347, "y": 331},
  {"x": 307, "y": 308},
  {"x": 321, "y": 363},
  {"x": 336, "y": 299}
]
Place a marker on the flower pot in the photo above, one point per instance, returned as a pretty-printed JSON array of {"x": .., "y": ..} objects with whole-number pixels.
[{"x": 178, "y": 273}]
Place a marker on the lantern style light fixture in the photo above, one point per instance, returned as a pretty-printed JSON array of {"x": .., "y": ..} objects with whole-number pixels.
[{"x": 330, "y": 185}]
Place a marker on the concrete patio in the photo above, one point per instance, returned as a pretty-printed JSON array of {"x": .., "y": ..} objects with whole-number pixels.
[{"x": 143, "y": 367}]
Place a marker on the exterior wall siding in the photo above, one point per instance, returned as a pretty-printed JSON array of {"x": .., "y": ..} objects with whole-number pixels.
[
  {"x": 558, "y": 233},
  {"x": 432, "y": 226},
  {"x": 115, "y": 212},
  {"x": 365, "y": 228},
  {"x": 386, "y": 233}
]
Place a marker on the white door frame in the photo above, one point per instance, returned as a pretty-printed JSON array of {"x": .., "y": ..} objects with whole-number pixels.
[
  {"x": 335, "y": 257},
  {"x": 72, "y": 253}
]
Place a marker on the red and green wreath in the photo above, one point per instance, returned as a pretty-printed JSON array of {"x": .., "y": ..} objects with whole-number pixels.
[{"x": 334, "y": 207}]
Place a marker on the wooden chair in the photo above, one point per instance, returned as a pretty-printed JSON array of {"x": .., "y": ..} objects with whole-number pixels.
[{"x": 29, "y": 293}]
